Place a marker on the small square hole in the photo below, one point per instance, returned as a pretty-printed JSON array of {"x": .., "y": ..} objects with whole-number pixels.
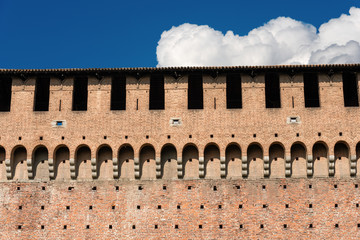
[
  {"x": 93, "y": 188},
  {"x": 237, "y": 187},
  {"x": 164, "y": 187},
  {"x": 211, "y": 136},
  {"x": 19, "y": 226},
  {"x": 240, "y": 206},
  {"x": 215, "y": 188},
  {"x": 43, "y": 188},
  {"x": 310, "y": 205},
  {"x": 178, "y": 207},
  {"x": 19, "y": 138},
  {"x": 241, "y": 226},
  {"x": 263, "y": 187},
  {"x": 41, "y": 138},
  {"x": 113, "y": 207},
  {"x": 117, "y": 188},
  {"x": 200, "y": 226},
  {"x": 138, "y": 207},
  {"x": 286, "y": 205},
  {"x": 285, "y": 225},
  {"x": 232, "y": 135},
  {"x": 159, "y": 207},
  {"x": 62, "y": 138},
  {"x": 65, "y": 227},
  {"x": 156, "y": 226},
  {"x": 42, "y": 207},
  {"x": 336, "y": 225},
  {"x": 319, "y": 134},
  {"x": 340, "y": 134},
  {"x": 357, "y": 205},
  {"x": 310, "y": 186},
  {"x": 189, "y": 187},
  {"x": 42, "y": 227},
  {"x": 356, "y": 186},
  {"x": 90, "y": 207},
  {"x": 168, "y": 136},
  {"x": 87, "y": 226},
  {"x": 220, "y": 226},
  {"x": 70, "y": 188},
  {"x": 83, "y": 137},
  {"x": 276, "y": 135},
  {"x": 265, "y": 206},
  {"x": 336, "y": 205},
  {"x": 110, "y": 226},
  {"x": 284, "y": 186},
  {"x": 201, "y": 206},
  {"x": 140, "y": 188},
  {"x": 67, "y": 207},
  {"x": 126, "y": 137},
  {"x": 310, "y": 225},
  {"x": 133, "y": 227},
  {"x": 190, "y": 136},
  {"x": 18, "y": 188},
  {"x": 335, "y": 186},
  {"x": 261, "y": 225},
  {"x": 219, "y": 207},
  {"x": 147, "y": 136},
  {"x": 20, "y": 207},
  {"x": 254, "y": 135},
  {"x": 105, "y": 137},
  {"x": 297, "y": 134},
  {"x": 176, "y": 226}
]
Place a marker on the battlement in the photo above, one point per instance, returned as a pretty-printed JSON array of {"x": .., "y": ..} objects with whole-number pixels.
[{"x": 198, "y": 152}]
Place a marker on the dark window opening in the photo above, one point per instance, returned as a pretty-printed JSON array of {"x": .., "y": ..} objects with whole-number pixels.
[
  {"x": 233, "y": 91},
  {"x": 350, "y": 90},
  {"x": 195, "y": 92},
  {"x": 5, "y": 93},
  {"x": 42, "y": 94},
  {"x": 118, "y": 93},
  {"x": 157, "y": 94},
  {"x": 311, "y": 90},
  {"x": 272, "y": 90},
  {"x": 80, "y": 94}
]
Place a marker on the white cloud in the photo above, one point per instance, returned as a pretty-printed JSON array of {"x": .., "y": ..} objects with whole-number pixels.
[{"x": 280, "y": 41}]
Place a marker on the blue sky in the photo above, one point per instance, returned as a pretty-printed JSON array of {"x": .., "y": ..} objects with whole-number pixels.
[{"x": 69, "y": 34}]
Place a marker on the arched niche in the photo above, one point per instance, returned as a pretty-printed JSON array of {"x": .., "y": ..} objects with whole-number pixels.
[
  {"x": 104, "y": 162},
  {"x": 40, "y": 163},
  {"x": 277, "y": 161},
  {"x": 168, "y": 162},
  {"x": 342, "y": 162},
  {"x": 62, "y": 163},
  {"x": 19, "y": 166},
  {"x": 83, "y": 163},
  {"x": 212, "y": 162},
  {"x": 233, "y": 161},
  {"x": 298, "y": 160},
  {"x": 126, "y": 162},
  {"x": 320, "y": 158},
  {"x": 2, "y": 164},
  {"x": 358, "y": 159},
  {"x": 147, "y": 162},
  {"x": 190, "y": 159},
  {"x": 255, "y": 161}
]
